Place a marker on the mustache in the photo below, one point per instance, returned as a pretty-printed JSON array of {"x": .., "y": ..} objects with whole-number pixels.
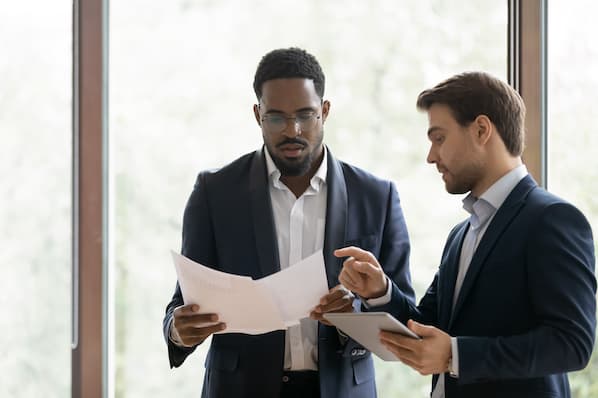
[{"x": 288, "y": 141}]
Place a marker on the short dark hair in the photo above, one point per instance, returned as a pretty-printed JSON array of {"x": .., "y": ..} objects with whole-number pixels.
[
  {"x": 285, "y": 63},
  {"x": 471, "y": 94}
]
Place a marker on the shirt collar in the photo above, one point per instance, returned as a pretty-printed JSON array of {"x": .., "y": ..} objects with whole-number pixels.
[
  {"x": 316, "y": 181},
  {"x": 484, "y": 206}
]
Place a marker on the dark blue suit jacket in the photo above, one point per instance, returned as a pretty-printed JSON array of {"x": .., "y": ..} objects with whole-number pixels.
[
  {"x": 526, "y": 312},
  {"x": 228, "y": 225}
]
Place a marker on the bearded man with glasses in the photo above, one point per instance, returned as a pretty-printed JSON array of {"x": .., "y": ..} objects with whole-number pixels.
[{"x": 270, "y": 209}]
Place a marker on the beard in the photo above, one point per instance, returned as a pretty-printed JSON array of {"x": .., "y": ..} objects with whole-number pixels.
[
  {"x": 466, "y": 180},
  {"x": 298, "y": 166},
  {"x": 293, "y": 167}
]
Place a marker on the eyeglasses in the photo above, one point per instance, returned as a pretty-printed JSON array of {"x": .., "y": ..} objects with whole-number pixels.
[{"x": 276, "y": 123}]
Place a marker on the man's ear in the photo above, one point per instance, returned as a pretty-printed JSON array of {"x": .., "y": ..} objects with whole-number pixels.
[
  {"x": 325, "y": 110},
  {"x": 484, "y": 128},
  {"x": 256, "y": 113}
]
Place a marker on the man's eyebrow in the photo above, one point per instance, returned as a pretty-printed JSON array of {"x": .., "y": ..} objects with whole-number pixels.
[
  {"x": 433, "y": 129},
  {"x": 276, "y": 111}
]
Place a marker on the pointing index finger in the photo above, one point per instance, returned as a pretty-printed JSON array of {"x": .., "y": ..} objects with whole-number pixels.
[{"x": 357, "y": 253}]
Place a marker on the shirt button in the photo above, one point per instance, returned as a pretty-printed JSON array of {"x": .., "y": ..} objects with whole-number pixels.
[{"x": 285, "y": 378}]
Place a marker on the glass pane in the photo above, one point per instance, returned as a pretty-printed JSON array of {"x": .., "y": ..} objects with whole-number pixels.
[
  {"x": 181, "y": 101},
  {"x": 572, "y": 138},
  {"x": 35, "y": 198}
]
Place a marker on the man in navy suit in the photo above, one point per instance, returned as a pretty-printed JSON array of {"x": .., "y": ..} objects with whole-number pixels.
[
  {"x": 512, "y": 307},
  {"x": 270, "y": 209}
]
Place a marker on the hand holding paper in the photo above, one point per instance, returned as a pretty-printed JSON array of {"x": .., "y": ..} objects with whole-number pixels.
[
  {"x": 192, "y": 327},
  {"x": 338, "y": 300}
]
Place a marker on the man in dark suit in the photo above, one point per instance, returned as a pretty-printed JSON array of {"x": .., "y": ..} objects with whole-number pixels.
[
  {"x": 512, "y": 307},
  {"x": 270, "y": 209}
]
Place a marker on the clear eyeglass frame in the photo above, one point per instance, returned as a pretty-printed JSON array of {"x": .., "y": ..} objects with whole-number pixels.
[{"x": 277, "y": 123}]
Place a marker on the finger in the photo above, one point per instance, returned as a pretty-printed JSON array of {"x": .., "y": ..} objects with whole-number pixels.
[
  {"x": 360, "y": 272},
  {"x": 353, "y": 272},
  {"x": 406, "y": 356},
  {"x": 334, "y": 295},
  {"x": 366, "y": 268},
  {"x": 398, "y": 340},
  {"x": 192, "y": 336},
  {"x": 394, "y": 349},
  {"x": 349, "y": 267},
  {"x": 339, "y": 305},
  {"x": 350, "y": 251},
  {"x": 340, "y": 288},
  {"x": 198, "y": 320},
  {"x": 421, "y": 329},
  {"x": 185, "y": 323},
  {"x": 208, "y": 330},
  {"x": 357, "y": 253},
  {"x": 203, "y": 331},
  {"x": 348, "y": 280},
  {"x": 318, "y": 317},
  {"x": 338, "y": 297},
  {"x": 188, "y": 309}
]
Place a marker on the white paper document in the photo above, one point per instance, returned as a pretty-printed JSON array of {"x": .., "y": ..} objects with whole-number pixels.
[{"x": 254, "y": 307}]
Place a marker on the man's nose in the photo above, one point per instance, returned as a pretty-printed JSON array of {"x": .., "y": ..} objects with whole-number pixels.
[
  {"x": 293, "y": 129},
  {"x": 431, "y": 158}
]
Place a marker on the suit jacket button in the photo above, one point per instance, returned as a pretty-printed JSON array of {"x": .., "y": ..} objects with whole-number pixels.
[{"x": 285, "y": 378}]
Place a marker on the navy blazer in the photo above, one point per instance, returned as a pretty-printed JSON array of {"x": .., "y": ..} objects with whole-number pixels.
[
  {"x": 526, "y": 312},
  {"x": 228, "y": 225}
]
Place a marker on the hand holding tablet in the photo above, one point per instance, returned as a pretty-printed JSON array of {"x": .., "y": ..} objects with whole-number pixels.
[{"x": 365, "y": 327}]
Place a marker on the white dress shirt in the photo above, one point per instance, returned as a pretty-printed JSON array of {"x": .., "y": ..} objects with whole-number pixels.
[{"x": 300, "y": 224}]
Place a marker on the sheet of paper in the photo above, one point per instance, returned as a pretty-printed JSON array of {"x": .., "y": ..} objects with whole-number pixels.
[
  {"x": 298, "y": 289},
  {"x": 237, "y": 300},
  {"x": 254, "y": 307}
]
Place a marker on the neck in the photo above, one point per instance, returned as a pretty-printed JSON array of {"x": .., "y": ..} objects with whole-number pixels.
[{"x": 494, "y": 173}]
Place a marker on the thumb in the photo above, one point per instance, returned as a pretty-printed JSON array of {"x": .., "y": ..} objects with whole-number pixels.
[{"x": 420, "y": 329}]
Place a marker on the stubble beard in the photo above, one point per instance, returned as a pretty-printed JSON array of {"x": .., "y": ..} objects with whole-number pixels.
[{"x": 296, "y": 167}]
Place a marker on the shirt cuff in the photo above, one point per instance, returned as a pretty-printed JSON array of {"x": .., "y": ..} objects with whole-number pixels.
[
  {"x": 455, "y": 358},
  {"x": 378, "y": 301},
  {"x": 173, "y": 336}
]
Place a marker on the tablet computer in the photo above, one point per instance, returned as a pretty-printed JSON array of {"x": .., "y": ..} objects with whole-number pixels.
[{"x": 364, "y": 327}]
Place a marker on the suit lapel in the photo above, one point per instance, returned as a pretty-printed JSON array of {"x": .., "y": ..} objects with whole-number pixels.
[
  {"x": 263, "y": 220},
  {"x": 499, "y": 223},
  {"x": 336, "y": 218},
  {"x": 448, "y": 274}
]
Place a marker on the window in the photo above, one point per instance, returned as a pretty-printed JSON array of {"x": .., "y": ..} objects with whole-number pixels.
[
  {"x": 35, "y": 197},
  {"x": 572, "y": 139},
  {"x": 176, "y": 69}
]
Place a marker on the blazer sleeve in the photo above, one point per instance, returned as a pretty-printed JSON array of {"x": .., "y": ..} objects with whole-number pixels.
[
  {"x": 402, "y": 305},
  {"x": 198, "y": 245},
  {"x": 562, "y": 291}
]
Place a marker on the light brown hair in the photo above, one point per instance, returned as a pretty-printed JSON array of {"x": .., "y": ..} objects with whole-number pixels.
[{"x": 471, "y": 94}]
